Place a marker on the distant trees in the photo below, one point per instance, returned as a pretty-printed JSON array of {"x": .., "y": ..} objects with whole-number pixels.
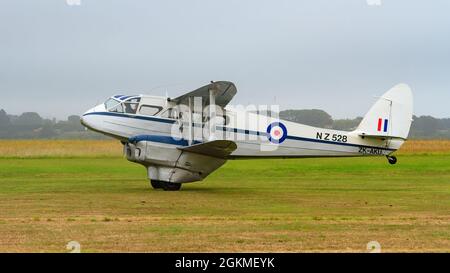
[
  {"x": 29, "y": 120},
  {"x": 32, "y": 125},
  {"x": 424, "y": 124},
  {"x": 430, "y": 127},
  {"x": 313, "y": 117},
  {"x": 5, "y": 124},
  {"x": 346, "y": 124},
  {"x": 319, "y": 118},
  {"x": 71, "y": 124},
  {"x": 4, "y": 119}
]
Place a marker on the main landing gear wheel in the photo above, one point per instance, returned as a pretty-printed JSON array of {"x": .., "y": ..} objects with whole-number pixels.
[
  {"x": 391, "y": 159},
  {"x": 156, "y": 184},
  {"x": 167, "y": 186}
]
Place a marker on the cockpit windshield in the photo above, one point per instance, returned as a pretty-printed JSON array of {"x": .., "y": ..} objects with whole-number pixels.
[
  {"x": 113, "y": 105},
  {"x": 128, "y": 106}
]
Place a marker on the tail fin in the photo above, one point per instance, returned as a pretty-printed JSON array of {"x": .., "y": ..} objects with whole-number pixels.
[{"x": 390, "y": 116}]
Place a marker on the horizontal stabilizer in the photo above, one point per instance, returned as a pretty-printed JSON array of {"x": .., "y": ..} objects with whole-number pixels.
[
  {"x": 216, "y": 148},
  {"x": 363, "y": 135}
]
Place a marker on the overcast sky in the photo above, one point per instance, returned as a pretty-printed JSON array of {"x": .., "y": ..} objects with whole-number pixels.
[{"x": 59, "y": 59}]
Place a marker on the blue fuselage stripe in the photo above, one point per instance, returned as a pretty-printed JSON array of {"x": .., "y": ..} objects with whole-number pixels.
[
  {"x": 161, "y": 139},
  {"x": 170, "y": 121}
]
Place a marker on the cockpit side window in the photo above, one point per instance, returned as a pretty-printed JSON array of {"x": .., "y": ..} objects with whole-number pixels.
[
  {"x": 149, "y": 110},
  {"x": 131, "y": 105}
]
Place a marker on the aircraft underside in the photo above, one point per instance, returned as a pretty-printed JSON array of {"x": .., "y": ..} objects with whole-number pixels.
[{"x": 177, "y": 164}]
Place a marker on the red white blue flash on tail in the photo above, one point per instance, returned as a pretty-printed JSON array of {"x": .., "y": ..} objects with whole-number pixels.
[
  {"x": 382, "y": 125},
  {"x": 276, "y": 132}
]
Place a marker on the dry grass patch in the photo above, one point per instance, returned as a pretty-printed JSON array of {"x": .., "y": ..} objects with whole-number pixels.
[
  {"x": 109, "y": 148},
  {"x": 60, "y": 148},
  {"x": 426, "y": 147}
]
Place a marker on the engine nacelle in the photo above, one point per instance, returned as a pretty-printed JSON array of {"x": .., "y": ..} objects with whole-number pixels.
[{"x": 164, "y": 162}]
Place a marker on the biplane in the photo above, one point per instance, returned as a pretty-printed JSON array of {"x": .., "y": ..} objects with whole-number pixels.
[{"x": 184, "y": 139}]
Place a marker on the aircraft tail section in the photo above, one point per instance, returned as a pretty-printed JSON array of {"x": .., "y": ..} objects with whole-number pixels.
[{"x": 390, "y": 116}]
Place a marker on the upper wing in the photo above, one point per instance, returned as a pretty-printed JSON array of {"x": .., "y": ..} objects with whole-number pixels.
[
  {"x": 215, "y": 148},
  {"x": 225, "y": 92}
]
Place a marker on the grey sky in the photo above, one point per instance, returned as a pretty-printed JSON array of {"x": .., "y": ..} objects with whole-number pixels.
[{"x": 57, "y": 59}]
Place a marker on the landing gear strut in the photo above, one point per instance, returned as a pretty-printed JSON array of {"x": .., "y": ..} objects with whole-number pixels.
[
  {"x": 167, "y": 186},
  {"x": 391, "y": 159}
]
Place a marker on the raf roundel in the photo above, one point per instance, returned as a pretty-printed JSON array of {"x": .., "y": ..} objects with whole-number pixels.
[{"x": 276, "y": 132}]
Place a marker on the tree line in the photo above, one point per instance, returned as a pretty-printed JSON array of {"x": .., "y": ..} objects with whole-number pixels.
[{"x": 30, "y": 125}]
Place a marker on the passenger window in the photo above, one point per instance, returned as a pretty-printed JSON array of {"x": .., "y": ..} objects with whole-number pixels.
[
  {"x": 131, "y": 105},
  {"x": 149, "y": 110}
]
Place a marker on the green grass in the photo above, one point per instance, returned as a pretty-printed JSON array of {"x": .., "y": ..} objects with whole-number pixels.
[{"x": 295, "y": 205}]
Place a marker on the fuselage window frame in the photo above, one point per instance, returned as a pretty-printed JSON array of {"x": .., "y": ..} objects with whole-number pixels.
[{"x": 171, "y": 113}]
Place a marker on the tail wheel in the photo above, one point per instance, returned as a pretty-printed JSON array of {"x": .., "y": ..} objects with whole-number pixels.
[{"x": 392, "y": 159}]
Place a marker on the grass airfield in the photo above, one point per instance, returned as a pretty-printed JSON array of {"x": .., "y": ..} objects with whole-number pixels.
[{"x": 53, "y": 192}]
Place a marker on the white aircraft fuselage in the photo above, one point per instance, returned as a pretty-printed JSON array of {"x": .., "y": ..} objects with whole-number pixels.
[{"x": 179, "y": 144}]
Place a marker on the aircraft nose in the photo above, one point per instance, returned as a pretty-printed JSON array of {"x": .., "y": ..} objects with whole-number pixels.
[
  {"x": 85, "y": 119},
  {"x": 88, "y": 119}
]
